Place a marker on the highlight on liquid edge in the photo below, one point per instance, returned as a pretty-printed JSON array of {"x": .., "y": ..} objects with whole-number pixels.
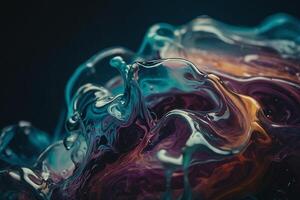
[{"x": 204, "y": 110}]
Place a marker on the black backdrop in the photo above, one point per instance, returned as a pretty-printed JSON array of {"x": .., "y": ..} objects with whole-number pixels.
[{"x": 42, "y": 41}]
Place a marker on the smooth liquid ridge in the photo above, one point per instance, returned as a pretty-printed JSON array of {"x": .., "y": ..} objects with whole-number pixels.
[{"x": 201, "y": 111}]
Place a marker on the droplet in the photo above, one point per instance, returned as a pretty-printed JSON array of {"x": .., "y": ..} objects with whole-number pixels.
[{"x": 70, "y": 140}]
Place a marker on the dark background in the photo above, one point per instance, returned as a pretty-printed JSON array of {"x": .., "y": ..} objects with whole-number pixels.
[{"x": 42, "y": 42}]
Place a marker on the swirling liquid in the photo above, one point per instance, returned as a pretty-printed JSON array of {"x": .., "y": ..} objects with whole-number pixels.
[{"x": 201, "y": 111}]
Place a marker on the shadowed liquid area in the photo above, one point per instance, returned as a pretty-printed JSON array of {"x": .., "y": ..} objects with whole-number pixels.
[{"x": 201, "y": 111}]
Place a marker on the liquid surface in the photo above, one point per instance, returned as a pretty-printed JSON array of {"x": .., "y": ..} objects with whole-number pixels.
[{"x": 201, "y": 111}]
